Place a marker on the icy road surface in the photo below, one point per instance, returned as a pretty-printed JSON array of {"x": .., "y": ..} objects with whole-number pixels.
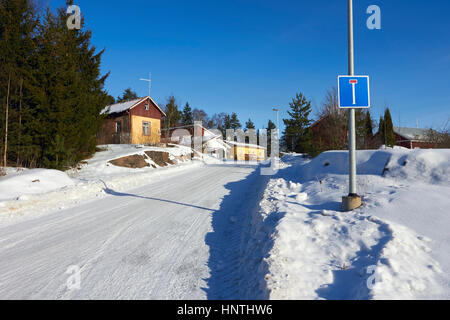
[{"x": 153, "y": 242}]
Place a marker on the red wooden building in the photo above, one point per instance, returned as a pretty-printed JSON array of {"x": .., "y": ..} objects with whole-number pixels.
[{"x": 133, "y": 122}]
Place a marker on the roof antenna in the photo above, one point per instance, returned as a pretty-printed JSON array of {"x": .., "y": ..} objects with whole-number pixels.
[
  {"x": 149, "y": 80},
  {"x": 417, "y": 123}
]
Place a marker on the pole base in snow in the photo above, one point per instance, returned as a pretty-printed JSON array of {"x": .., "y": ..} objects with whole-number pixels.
[{"x": 351, "y": 203}]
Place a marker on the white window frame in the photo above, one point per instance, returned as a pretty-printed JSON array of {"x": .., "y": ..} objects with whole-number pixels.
[{"x": 146, "y": 125}]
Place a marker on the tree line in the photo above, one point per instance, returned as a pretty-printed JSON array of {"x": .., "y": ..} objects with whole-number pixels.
[
  {"x": 329, "y": 132},
  {"x": 177, "y": 116},
  {"x": 51, "y": 88}
]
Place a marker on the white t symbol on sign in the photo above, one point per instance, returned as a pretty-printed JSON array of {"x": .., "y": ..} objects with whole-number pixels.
[{"x": 353, "y": 82}]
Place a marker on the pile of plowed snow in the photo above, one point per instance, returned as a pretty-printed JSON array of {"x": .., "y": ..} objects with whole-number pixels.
[
  {"x": 18, "y": 185},
  {"x": 395, "y": 246},
  {"x": 430, "y": 166}
]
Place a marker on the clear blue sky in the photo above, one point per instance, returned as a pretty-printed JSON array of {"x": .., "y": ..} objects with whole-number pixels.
[{"x": 248, "y": 56}]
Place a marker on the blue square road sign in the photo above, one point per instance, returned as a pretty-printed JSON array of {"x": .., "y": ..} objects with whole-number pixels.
[{"x": 354, "y": 92}]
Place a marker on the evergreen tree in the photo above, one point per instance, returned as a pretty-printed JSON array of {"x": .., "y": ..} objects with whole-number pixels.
[
  {"x": 187, "y": 117},
  {"x": 389, "y": 129},
  {"x": 173, "y": 115},
  {"x": 249, "y": 125},
  {"x": 360, "y": 125},
  {"x": 56, "y": 90},
  {"x": 368, "y": 130},
  {"x": 127, "y": 95},
  {"x": 18, "y": 21},
  {"x": 227, "y": 122},
  {"x": 297, "y": 134},
  {"x": 234, "y": 122},
  {"x": 110, "y": 100},
  {"x": 270, "y": 126},
  {"x": 381, "y": 131},
  {"x": 67, "y": 94}
]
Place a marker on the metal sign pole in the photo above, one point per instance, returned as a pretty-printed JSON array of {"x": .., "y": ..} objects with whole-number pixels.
[
  {"x": 353, "y": 201},
  {"x": 351, "y": 113}
]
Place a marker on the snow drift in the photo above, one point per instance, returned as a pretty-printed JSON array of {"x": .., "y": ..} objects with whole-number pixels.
[
  {"x": 36, "y": 181},
  {"x": 394, "y": 247}
]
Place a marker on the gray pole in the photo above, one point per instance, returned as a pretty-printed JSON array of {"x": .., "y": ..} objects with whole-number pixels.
[{"x": 351, "y": 112}]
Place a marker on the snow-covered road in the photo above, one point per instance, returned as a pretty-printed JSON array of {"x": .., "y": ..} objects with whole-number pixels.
[{"x": 147, "y": 243}]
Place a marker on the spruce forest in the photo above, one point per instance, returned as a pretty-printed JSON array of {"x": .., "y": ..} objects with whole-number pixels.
[{"x": 51, "y": 88}]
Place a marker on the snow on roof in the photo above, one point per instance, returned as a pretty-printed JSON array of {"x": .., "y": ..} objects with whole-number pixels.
[
  {"x": 127, "y": 105},
  {"x": 240, "y": 144},
  {"x": 412, "y": 133}
]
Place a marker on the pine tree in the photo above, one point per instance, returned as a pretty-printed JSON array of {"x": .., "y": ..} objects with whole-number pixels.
[
  {"x": 360, "y": 125},
  {"x": 249, "y": 125},
  {"x": 68, "y": 92},
  {"x": 381, "y": 131},
  {"x": 270, "y": 127},
  {"x": 173, "y": 115},
  {"x": 187, "y": 117},
  {"x": 127, "y": 95},
  {"x": 234, "y": 122},
  {"x": 18, "y": 20},
  {"x": 368, "y": 128},
  {"x": 227, "y": 122},
  {"x": 297, "y": 134},
  {"x": 389, "y": 129}
]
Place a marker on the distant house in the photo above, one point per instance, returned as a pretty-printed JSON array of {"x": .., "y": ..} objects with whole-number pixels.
[
  {"x": 412, "y": 138},
  {"x": 211, "y": 142},
  {"x": 247, "y": 152},
  {"x": 133, "y": 122}
]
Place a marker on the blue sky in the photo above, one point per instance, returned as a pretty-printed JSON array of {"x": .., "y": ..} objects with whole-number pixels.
[{"x": 249, "y": 56}]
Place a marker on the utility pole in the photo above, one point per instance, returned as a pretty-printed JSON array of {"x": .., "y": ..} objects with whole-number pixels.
[
  {"x": 353, "y": 201},
  {"x": 149, "y": 80}
]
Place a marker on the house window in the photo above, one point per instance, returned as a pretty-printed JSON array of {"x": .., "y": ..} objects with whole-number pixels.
[
  {"x": 147, "y": 107},
  {"x": 118, "y": 127},
  {"x": 146, "y": 128}
]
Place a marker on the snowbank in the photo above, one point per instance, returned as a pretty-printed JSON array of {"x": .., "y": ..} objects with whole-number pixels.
[
  {"x": 369, "y": 162},
  {"x": 394, "y": 247},
  {"x": 21, "y": 198},
  {"x": 20, "y": 184},
  {"x": 429, "y": 166}
]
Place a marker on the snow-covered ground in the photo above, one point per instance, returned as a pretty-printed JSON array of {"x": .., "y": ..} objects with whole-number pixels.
[
  {"x": 211, "y": 230},
  {"x": 397, "y": 246},
  {"x": 157, "y": 241},
  {"x": 26, "y": 194}
]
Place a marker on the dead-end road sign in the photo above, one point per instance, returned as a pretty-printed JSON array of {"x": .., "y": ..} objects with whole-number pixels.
[{"x": 354, "y": 92}]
